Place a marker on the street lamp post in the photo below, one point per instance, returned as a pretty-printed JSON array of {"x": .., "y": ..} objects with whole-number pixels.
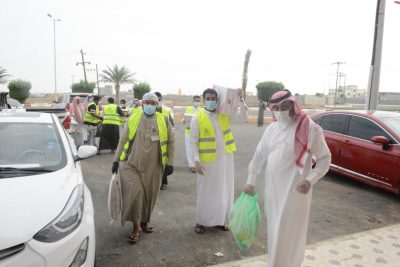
[{"x": 55, "y": 60}]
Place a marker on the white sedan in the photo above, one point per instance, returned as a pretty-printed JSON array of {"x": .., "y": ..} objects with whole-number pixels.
[{"x": 47, "y": 216}]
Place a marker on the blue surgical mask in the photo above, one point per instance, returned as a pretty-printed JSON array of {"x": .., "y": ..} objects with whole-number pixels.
[
  {"x": 211, "y": 105},
  {"x": 149, "y": 109},
  {"x": 159, "y": 104},
  {"x": 196, "y": 104}
]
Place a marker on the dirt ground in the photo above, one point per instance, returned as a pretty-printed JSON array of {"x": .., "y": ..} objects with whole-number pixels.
[{"x": 339, "y": 207}]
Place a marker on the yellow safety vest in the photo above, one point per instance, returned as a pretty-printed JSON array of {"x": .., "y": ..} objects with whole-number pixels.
[
  {"x": 111, "y": 115},
  {"x": 207, "y": 145},
  {"x": 165, "y": 112},
  {"x": 88, "y": 116},
  {"x": 133, "y": 124},
  {"x": 189, "y": 110}
]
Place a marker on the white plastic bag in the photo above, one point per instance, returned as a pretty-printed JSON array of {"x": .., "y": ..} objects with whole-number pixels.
[{"x": 114, "y": 198}]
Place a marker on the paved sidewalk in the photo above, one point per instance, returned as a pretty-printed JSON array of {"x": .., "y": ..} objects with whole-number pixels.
[{"x": 379, "y": 247}]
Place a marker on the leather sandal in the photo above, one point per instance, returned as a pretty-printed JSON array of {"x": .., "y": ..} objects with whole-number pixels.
[
  {"x": 224, "y": 227},
  {"x": 199, "y": 229},
  {"x": 146, "y": 228},
  {"x": 134, "y": 238}
]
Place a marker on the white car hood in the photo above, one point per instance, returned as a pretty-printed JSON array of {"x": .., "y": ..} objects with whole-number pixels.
[{"x": 29, "y": 203}]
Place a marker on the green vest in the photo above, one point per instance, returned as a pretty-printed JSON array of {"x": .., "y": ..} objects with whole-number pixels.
[
  {"x": 207, "y": 145},
  {"x": 88, "y": 116},
  {"x": 111, "y": 115},
  {"x": 189, "y": 110},
  {"x": 165, "y": 112},
  {"x": 133, "y": 123}
]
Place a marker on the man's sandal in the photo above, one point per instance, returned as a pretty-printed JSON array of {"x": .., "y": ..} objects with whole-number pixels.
[
  {"x": 146, "y": 228},
  {"x": 134, "y": 238},
  {"x": 224, "y": 227},
  {"x": 199, "y": 229}
]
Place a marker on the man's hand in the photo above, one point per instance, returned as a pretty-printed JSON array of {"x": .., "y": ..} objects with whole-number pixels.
[
  {"x": 114, "y": 168},
  {"x": 199, "y": 168},
  {"x": 303, "y": 187},
  {"x": 249, "y": 189},
  {"x": 168, "y": 170}
]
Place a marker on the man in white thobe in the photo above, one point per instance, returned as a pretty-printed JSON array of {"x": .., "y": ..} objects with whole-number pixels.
[
  {"x": 288, "y": 147},
  {"x": 213, "y": 147}
]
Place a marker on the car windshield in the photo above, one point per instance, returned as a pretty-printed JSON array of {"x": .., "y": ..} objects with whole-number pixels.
[
  {"x": 393, "y": 123},
  {"x": 71, "y": 98},
  {"x": 29, "y": 148}
]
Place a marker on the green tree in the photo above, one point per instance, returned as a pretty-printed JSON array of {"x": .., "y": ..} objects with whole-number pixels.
[
  {"x": 117, "y": 76},
  {"x": 83, "y": 87},
  {"x": 245, "y": 69},
  {"x": 4, "y": 75},
  {"x": 140, "y": 89},
  {"x": 266, "y": 89},
  {"x": 19, "y": 89}
]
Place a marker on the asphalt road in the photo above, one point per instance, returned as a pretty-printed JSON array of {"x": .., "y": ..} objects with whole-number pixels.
[{"x": 339, "y": 207}]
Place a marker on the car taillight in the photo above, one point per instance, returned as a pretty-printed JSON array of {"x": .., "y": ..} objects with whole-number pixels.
[{"x": 67, "y": 122}]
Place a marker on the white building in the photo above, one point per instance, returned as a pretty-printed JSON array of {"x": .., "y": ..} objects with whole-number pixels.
[{"x": 348, "y": 91}]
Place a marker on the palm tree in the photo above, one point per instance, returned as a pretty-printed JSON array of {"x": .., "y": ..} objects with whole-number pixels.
[
  {"x": 117, "y": 76},
  {"x": 245, "y": 68},
  {"x": 3, "y": 75}
]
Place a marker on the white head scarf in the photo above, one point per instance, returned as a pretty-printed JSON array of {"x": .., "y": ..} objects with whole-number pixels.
[{"x": 150, "y": 96}]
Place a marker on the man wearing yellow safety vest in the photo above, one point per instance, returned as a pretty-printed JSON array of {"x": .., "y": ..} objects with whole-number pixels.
[
  {"x": 213, "y": 147},
  {"x": 168, "y": 115},
  {"x": 109, "y": 135},
  {"x": 92, "y": 119},
  {"x": 189, "y": 113},
  {"x": 145, "y": 151}
]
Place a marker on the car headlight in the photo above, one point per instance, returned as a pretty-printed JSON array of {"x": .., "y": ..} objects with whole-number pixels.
[{"x": 67, "y": 221}]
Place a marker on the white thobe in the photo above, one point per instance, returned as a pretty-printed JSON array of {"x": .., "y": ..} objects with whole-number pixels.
[
  {"x": 215, "y": 189},
  {"x": 287, "y": 210}
]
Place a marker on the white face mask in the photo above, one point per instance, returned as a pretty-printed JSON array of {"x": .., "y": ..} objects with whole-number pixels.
[{"x": 283, "y": 116}]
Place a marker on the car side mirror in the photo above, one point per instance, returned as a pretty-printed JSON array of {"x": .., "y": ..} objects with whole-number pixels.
[
  {"x": 85, "y": 152},
  {"x": 381, "y": 140}
]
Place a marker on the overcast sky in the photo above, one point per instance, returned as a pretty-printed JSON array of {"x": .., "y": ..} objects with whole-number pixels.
[{"x": 191, "y": 45}]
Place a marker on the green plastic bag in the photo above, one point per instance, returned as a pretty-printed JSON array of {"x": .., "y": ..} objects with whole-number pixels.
[{"x": 244, "y": 219}]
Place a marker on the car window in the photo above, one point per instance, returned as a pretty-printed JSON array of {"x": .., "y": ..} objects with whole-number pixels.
[
  {"x": 365, "y": 129},
  {"x": 393, "y": 123},
  {"x": 31, "y": 145},
  {"x": 333, "y": 122}
]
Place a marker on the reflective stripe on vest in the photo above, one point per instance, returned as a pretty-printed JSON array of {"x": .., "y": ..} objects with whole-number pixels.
[
  {"x": 133, "y": 124},
  {"x": 111, "y": 115},
  {"x": 207, "y": 145},
  {"x": 88, "y": 117}
]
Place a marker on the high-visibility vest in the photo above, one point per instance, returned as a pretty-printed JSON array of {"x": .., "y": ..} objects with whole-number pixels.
[
  {"x": 165, "y": 112},
  {"x": 189, "y": 110},
  {"x": 207, "y": 145},
  {"x": 133, "y": 123},
  {"x": 88, "y": 116},
  {"x": 111, "y": 115}
]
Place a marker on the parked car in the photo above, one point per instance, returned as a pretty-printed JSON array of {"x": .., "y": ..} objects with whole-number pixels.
[
  {"x": 65, "y": 100},
  {"x": 365, "y": 145},
  {"x": 14, "y": 103},
  {"x": 47, "y": 216}
]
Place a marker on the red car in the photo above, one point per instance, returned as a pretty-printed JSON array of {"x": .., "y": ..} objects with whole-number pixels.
[{"x": 365, "y": 145}]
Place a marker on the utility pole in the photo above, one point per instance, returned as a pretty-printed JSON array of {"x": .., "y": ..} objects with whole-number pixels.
[
  {"x": 337, "y": 78},
  {"x": 344, "y": 82},
  {"x": 97, "y": 78},
  {"x": 83, "y": 64},
  {"x": 375, "y": 68}
]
